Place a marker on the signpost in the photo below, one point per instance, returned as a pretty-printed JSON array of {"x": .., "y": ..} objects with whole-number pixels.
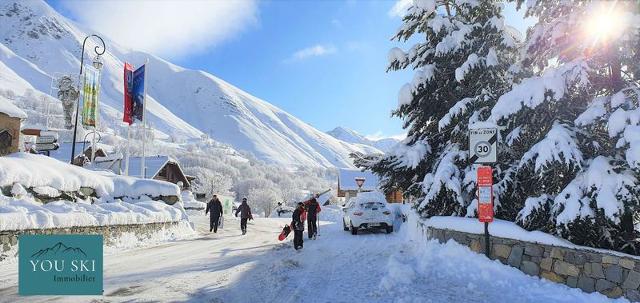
[
  {"x": 360, "y": 182},
  {"x": 485, "y": 202},
  {"x": 483, "y": 150},
  {"x": 482, "y": 145},
  {"x": 47, "y": 141}
]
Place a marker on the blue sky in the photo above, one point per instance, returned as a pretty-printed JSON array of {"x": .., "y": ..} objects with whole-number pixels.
[{"x": 322, "y": 61}]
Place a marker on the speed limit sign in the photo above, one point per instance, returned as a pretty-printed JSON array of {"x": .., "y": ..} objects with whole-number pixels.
[{"x": 482, "y": 145}]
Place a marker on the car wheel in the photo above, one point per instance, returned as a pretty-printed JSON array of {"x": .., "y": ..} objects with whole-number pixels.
[
  {"x": 389, "y": 229},
  {"x": 354, "y": 230},
  {"x": 344, "y": 226}
]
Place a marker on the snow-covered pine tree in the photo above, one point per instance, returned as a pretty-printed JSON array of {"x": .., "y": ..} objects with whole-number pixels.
[
  {"x": 463, "y": 64},
  {"x": 573, "y": 127}
]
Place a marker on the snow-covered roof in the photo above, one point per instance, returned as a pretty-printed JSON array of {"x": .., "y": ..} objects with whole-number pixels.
[
  {"x": 64, "y": 150},
  {"x": 347, "y": 179},
  {"x": 7, "y": 108},
  {"x": 153, "y": 163}
]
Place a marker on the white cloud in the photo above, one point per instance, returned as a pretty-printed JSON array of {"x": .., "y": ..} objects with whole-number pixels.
[
  {"x": 166, "y": 28},
  {"x": 312, "y": 51},
  {"x": 400, "y": 8}
]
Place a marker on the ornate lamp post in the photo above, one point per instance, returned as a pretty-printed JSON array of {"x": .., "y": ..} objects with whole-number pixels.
[{"x": 97, "y": 63}]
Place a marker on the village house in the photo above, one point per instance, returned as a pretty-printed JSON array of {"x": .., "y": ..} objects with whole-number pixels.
[
  {"x": 348, "y": 185},
  {"x": 162, "y": 168},
  {"x": 10, "y": 119}
]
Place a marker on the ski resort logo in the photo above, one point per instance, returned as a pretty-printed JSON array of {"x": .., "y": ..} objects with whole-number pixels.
[{"x": 60, "y": 265}]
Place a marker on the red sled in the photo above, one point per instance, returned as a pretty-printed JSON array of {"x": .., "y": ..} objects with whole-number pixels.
[{"x": 285, "y": 232}]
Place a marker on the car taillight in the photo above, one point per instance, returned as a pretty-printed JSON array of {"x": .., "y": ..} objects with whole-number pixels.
[
  {"x": 358, "y": 213},
  {"x": 386, "y": 212}
]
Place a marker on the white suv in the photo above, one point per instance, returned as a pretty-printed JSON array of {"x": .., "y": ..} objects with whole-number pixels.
[{"x": 367, "y": 211}]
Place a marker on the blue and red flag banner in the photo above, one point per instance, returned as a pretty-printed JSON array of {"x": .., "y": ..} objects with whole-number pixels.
[
  {"x": 128, "y": 94},
  {"x": 138, "y": 94}
]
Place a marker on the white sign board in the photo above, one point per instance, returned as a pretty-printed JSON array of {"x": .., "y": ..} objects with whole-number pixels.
[{"x": 482, "y": 145}]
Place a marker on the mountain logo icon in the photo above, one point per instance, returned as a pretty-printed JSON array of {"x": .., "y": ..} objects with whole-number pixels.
[{"x": 59, "y": 249}]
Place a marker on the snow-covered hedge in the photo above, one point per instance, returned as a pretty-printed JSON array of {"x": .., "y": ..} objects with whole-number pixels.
[
  {"x": 35, "y": 171},
  {"x": 19, "y": 214}
]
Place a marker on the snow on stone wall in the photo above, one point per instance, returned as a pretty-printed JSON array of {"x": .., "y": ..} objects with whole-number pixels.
[{"x": 592, "y": 270}]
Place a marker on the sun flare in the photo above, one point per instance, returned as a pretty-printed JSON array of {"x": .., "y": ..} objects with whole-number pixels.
[{"x": 605, "y": 23}]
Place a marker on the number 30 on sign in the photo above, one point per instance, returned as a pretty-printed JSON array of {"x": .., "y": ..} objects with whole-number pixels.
[{"x": 485, "y": 194}]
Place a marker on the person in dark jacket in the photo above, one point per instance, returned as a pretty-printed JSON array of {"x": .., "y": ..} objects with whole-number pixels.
[
  {"x": 313, "y": 208},
  {"x": 298, "y": 226},
  {"x": 214, "y": 208},
  {"x": 245, "y": 215}
]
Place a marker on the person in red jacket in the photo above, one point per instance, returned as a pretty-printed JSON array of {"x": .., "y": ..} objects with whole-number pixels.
[
  {"x": 297, "y": 224},
  {"x": 313, "y": 208}
]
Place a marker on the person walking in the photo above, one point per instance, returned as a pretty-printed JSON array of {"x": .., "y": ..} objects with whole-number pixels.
[
  {"x": 298, "y": 226},
  {"x": 214, "y": 208},
  {"x": 313, "y": 208},
  {"x": 245, "y": 215}
]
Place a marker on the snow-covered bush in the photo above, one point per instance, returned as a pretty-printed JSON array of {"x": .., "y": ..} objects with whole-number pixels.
[{"x": 574, "y": 169}]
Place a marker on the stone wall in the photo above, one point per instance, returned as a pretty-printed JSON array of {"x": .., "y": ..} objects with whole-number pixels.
[
  {"x": 9, "y": 238},
  {"x": 588, "y": 269}
]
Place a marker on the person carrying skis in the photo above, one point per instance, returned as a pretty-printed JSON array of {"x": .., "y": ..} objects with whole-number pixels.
[
  {"x": 313, "y": 208},
  {"x": 245, "y": 215},
  {"x": 214, "y": 208},
  {"x": 298, "y": 226}
]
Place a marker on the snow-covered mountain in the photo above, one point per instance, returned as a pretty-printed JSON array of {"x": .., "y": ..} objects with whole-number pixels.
[
  {"x": 351, "y": 136},
  {"x": 36, "y": 42}
]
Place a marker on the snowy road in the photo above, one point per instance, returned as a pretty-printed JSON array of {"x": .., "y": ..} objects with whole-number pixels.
[{"x": 338, "y": 267}]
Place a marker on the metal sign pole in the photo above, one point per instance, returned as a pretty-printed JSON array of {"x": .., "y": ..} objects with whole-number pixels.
[
  {"x": 144, "y": 120},
  {"x": 126, "y": 160},
  {"x": 487, "y": 243},
  {"x": 483, "y": 150}
]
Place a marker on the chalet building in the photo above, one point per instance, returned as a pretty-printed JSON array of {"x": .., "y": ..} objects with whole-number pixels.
[
  {"x": 83, "y": 152},
  {"x": 10, "y": 119},
  {"x": 348, "y": 184},
  {"x": 162, "y": 168}
]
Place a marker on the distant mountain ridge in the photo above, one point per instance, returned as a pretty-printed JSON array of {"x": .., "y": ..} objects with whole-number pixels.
[
  {"x": 37, "y": 42},
  {"x": 351, "y": 136}
]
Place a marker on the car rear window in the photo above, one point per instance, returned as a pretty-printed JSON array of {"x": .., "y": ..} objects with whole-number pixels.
[{"x": 370, "y": 205}]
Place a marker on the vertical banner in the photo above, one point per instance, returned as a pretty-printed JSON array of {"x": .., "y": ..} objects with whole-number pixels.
[
  {"x": 485, "y": 194},
  {"x": 90, "y": 92},
  {"x": 138, "y": 94},
  {"x": 128, "y": 94}
]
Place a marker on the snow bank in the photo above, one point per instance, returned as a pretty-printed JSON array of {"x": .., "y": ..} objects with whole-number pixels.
[
  {"x": 129, "y": 240},
  {"x": 41, "y": 171},
  {"x": 425, "y": 272},
  {"x": 189, "y": 201},
  {"x": 19, "y": 214},
  {"x": 498, "y": 228}
]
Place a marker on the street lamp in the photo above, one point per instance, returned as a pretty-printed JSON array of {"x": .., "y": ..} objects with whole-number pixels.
[
  {"x": 97, "y": 63},
  {"x": 360, "y": 182}
]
